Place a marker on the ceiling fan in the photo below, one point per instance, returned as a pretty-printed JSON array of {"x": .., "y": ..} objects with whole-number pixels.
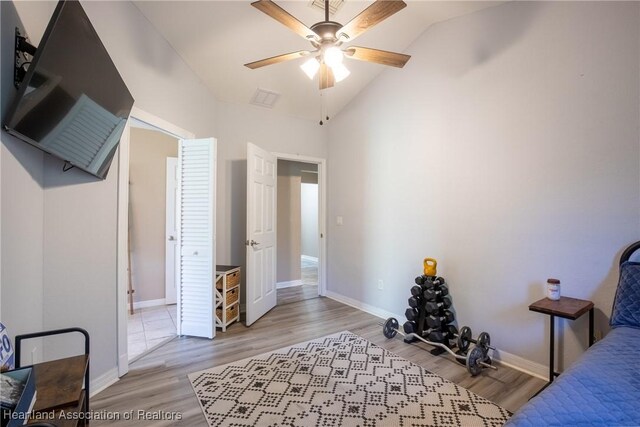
[{"x": 327, "y": 37}]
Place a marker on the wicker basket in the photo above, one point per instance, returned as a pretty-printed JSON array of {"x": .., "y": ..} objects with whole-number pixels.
[
  {"x": 233, "y": 279},
  {"x": 232, "y": 296},
  {"x": 232, "y": 312}
]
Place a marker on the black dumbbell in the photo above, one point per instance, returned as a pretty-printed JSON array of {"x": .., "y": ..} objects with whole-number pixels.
[
  {"x": 411, "y": 314},
  {"x": 415, "y": 302},
  {"x": 448, "y": 333},
  {"x": 437, "y": 321},
  {"x": 416, "y": 290},
  {"x": 434, "y": 281},
  {"x": 433, "y": 307},
  {"x": 410, "y": 327},
  {"x": 431, "y": 294},
  {"x": 420, "y": 280}
]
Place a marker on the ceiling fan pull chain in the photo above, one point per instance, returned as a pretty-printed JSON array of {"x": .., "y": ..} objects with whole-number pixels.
[{"x": 321, "y": 108}]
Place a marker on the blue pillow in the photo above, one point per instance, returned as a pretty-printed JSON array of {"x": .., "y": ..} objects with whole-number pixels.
[{"x": 626, "y": 306}]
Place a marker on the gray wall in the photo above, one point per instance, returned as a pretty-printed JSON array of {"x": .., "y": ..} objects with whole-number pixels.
[
  {"x": 288, "y": 227},
  {"x": 508, "y": 149},
  {"x": 148, "y": 152},
  {"x": 309, "y": 224},
  {"x": 59, "y": 229},
  {"x": 291, "y": 218}
]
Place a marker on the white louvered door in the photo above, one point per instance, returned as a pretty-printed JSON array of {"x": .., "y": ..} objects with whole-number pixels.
[{"x": 196, "y": 237}]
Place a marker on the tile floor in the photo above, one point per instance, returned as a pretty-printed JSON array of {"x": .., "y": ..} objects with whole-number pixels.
[{"x": 149, "y": 328}]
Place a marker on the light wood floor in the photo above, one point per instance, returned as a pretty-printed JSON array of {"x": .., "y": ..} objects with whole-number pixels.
[
  {"x": 296, "y": 294},
  {"x": 158, "y": 381}
]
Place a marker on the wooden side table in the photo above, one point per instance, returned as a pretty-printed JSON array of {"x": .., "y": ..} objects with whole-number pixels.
[{"x": 567, "y": 308}]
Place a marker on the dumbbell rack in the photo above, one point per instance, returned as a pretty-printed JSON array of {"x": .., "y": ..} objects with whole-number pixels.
[{"x": 429, "y": 312}]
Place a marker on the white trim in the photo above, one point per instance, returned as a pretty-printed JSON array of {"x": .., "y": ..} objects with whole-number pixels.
[
  {"x": 309, "y": 258},
  {"x": 103, "y": 381},
  {"x": 376, "y": 311},
  {"x": 521, "y": 364},
  {"x": 149, "y": 303},
  {"x": 322, "y": 214},
  {"x": 289, "y": 284},
  {"x": 501, "y": 357},
  {"x": 123, "y": 223},
  {"x": 155, "y": 122}
]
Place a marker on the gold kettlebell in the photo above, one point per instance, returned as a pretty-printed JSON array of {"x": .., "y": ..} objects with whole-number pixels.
[{"x": 430, "y": 266}]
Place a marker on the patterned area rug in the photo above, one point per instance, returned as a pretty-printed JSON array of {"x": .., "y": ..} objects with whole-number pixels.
[{"x": 337, "y": 380}]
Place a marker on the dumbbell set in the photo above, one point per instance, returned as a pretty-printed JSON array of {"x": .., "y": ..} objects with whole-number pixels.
[
  {"x": 429, "y": 320},
  {"x": 428, "y": 313}
]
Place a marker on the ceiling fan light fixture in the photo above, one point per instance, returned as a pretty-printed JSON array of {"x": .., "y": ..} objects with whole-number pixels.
[
  {"x": 340, "y": 72},
  {"x": 332, "y": 56},
  {"x": 310, "y": 67}
]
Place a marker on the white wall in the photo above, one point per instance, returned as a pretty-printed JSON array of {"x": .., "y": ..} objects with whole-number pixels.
[
  {"x": 21, "y": 215},
  {"x": 309, "y": 233},
  {"x": 508, "y": 149},
  {"x": 59, "y": 248},
  {"x": 237, "y": 125}
]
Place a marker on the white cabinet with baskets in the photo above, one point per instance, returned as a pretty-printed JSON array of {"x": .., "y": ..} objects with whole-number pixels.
[{"x": 227, "y": 295}]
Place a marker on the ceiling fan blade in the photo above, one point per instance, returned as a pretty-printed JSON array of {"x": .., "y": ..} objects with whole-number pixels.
[
  {"x": 327, "y": 78},
  {"x": 282, "y": 16},
  {"x": 374, "y": 14},
  {"x": 378, "y": 56},
  {"x": 277, "y": 59}
]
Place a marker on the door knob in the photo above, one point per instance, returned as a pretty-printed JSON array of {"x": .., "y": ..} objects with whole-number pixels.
[
  {"x": 254, "y": 243},
  {"x": 171, "y": 238}
]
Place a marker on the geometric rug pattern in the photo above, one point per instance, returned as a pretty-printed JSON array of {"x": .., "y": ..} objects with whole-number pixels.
[{"x": 337, "y": 380}]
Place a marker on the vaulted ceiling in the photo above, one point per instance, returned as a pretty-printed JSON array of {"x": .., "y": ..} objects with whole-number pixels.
[{"x": 215, "y": 38}]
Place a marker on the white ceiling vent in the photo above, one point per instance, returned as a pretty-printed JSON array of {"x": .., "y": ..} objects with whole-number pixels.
[
  {"x": 265, "y": 98},
  {"x": 334, "y": 5}
]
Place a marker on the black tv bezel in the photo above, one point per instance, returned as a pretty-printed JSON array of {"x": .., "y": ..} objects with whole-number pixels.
[{"x": 29, "y": 75}]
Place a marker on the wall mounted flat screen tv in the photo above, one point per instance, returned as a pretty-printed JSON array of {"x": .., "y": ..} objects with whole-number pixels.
[{"x": 72, "y": 102}]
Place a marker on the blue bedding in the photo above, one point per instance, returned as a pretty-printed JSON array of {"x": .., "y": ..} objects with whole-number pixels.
[{"x": 602, "y": 388}]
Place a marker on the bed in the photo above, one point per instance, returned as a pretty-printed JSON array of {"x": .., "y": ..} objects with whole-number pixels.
[{"x": 603, "y": 386}]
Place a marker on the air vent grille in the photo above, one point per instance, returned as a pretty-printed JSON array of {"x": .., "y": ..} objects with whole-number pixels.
[
  {"x": 265, "y": 98},
  {"x": 334, "y": 5}
]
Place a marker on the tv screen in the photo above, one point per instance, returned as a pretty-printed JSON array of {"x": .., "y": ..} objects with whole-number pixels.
[{"x": 72, "y": 103}]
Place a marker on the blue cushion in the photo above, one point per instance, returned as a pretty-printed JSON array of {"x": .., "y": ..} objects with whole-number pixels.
[{"x": 626, "y": 305}]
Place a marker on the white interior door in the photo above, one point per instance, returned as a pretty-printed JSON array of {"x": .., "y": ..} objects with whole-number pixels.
[
  {"x": 261, "y": 232},
  {"x": 171, "y": 232},
  {"x": 196, "y": 237}
]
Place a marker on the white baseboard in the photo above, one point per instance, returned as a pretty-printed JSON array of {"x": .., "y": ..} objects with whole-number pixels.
[
  {"x": 103, "y": 381},
  {"x": 289, "y": 284},
  {"x": 501, "y": 357},
  {"x": 521, "y": 364},
  {"x": 148, "y": 303},
  {"x": 376, "y": 311},
  {"x": 309, "y": 258}
]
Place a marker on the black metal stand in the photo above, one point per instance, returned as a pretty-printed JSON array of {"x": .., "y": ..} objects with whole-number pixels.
[
  {"x": 87, "y": 347},
  {"x": 22, "y": 47},
  {"x": 552, "y": 340}
]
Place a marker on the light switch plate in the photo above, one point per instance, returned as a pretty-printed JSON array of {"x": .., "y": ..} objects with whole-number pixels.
[{"x": 339, "y": 220}]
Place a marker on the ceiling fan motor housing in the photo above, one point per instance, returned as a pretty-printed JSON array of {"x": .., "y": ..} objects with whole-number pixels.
[{"x": 327, "y": 30}]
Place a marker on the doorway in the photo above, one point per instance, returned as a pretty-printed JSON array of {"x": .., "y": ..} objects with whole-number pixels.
[
  {"x": 298, "y": 232},
  {"x": 152, "y": 229}
]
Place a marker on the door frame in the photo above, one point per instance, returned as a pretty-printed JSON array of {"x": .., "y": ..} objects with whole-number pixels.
[
  {"x": 161, "y": 125},
  {"x": 322, "y": 214},
  {"x": 171, "y": 166}
]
